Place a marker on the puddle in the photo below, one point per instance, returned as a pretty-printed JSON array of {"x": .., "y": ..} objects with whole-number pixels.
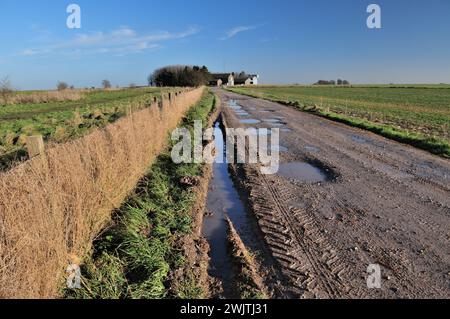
[
  {"x": 358, "y": 139},
  {"x": 311, "y": 148},
  {"x": 242, "y": 113},
  {"x": 267, "y": 111},
  {"x": 250, "y": 121},
  {"x": 261, "y": 132},
  {"x": 223, "y": 199},
  {"x": 278, "y": 124},
  {"x": 271, "y": 120},
  {"x": 279, "y": 148},
  {"x": 232, "y": 104},
  {"x": 286, "y": 130},
  {"x": 303, "y": 172}
]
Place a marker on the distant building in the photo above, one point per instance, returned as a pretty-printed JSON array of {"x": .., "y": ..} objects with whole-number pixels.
[
  {"x": 219, "y": 79},
  {"x": 249, "y": 79},
  {"x": 230, "y": 79}
]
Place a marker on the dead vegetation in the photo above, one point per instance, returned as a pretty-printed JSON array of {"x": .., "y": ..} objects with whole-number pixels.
[
  {"x": 53, "y": 207},
  {"x": 6, "y": 91},
  {"x": 45, "y": 97}
]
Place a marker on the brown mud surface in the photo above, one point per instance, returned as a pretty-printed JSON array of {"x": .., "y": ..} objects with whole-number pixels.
[{"x": 371, "y": 201}]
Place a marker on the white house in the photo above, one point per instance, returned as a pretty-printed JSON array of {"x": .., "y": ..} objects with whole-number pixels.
[{"x": 230, "y": 79}]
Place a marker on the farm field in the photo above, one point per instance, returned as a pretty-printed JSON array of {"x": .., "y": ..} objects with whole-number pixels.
[
  {"x": 61, "y": 121},
  {"x": 418, "y": 115}
]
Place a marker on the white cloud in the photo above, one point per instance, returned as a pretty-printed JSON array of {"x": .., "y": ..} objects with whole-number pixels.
[
  {"x": 122, "y": 41},
  {"x": 236, "y": 30},
  {"x": 28, "y": 52}
]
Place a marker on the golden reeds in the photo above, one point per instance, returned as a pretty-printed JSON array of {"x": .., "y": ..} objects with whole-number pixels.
[
  {"x": 52, "y": 207},
  {"x": 46, "y": 96}
]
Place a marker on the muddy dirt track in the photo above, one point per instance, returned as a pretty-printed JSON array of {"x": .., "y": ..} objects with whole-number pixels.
[{"x": 380, "y": 202}]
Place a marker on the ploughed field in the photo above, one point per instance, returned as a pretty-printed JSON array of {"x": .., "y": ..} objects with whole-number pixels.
[
  {"x": 60, "y": 121},
  {"x": 417, "y": 114}
]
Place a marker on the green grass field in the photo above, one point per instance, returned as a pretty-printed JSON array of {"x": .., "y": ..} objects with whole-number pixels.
[
  {"x": 418, "y": 115},
  {"x": 62, "y": 121}
]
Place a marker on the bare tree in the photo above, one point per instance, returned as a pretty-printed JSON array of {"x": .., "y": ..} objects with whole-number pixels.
[
  {"x": 61, "y": 86},
  {"x": 6, "y": 90},
  {"x": 106, "y": 84}
]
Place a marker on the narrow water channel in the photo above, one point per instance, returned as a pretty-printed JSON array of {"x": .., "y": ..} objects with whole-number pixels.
[{"x": 223, "y": 199}]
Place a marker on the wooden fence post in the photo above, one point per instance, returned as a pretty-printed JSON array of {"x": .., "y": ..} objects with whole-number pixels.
[{"x": 35, "y": 145}]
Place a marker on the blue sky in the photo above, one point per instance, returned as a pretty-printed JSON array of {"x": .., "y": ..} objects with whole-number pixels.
[{"x": 284, "y": 41}]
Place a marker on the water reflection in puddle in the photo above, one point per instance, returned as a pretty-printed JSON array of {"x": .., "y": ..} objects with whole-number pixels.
[
  {"x": 278, "y": 124},
  {"x": 311, "y": 148},
  {"x": 271, "y": 120},
  {"x": 223, "y": 199},
  {"x": 267, "y": 111},
  {"x": 261, "y": 132},
  {"x": 303, "y": 172},
  {"x": 232, "y": 104},
  {"x": 278, "y": 148},
  {"x": 358, "y": 139},
  {"x": 250, "y": 121}
]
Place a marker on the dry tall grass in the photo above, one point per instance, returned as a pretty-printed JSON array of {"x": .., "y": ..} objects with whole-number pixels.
[
  {"x": 52, "y": 207},
  {"x": 46, "y": 97}
]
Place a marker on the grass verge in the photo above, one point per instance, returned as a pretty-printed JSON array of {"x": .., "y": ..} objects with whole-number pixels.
[
  {"x": 433, "y": 145},
  {"x": 134, "y": 256}
]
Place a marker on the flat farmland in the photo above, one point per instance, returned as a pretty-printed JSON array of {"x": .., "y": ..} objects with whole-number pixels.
[
  {"x": 60, "y": 121},
  {"x": 418, "y": 114}
]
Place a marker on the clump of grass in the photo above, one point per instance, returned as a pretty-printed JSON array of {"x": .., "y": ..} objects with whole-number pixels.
[{"x": 143, "y": 237}]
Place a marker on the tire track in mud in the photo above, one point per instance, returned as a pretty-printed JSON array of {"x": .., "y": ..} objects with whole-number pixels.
[
  {"x": 389, "y": 200},
  {"x": 411, "y": 285},
  {"x": 307, "y": 257},
  {"x": 296, "y": 240}
]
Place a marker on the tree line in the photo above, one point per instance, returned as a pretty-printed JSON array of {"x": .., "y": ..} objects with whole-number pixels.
[
  {"x": 180, "y": 75},
  {"x": 332, "y": 82}
]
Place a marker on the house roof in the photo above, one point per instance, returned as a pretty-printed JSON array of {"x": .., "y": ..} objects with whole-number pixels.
[{"x": 221, "y": 76}]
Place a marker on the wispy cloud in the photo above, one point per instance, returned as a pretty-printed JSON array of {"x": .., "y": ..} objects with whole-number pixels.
[
  {"x": 121, "y": 42},
  {"x": 236, "y": 30}
]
